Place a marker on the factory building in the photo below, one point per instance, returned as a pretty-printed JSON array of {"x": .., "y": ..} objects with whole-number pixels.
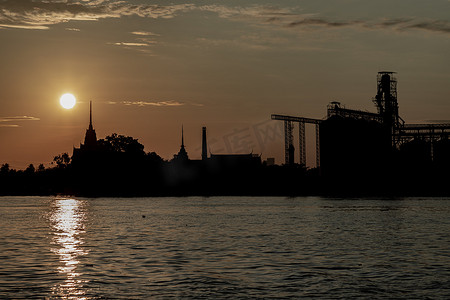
[
  {"x": 355, "y": 142},
  {"x": 217, "y": 161}
]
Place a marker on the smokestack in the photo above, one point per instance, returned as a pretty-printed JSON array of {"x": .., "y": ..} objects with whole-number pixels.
[{"x": 204, "y": 146}]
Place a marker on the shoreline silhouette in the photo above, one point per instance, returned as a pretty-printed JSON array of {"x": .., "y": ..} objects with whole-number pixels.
[{"x": 357, "y": 153}]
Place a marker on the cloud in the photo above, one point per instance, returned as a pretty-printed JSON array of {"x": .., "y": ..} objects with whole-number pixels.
[
  {"x": 9, "y": 125},
  {"x": 143, "y": 39},
  {"x": 321, "y": 22},
  {"x": 15, "y": 119},
  {"x": 18, "y": 118},
  {"x": 436, "y": 26},
  {"x": 141, "y": 45},
  {"x": 159, "y": 103},
  {"x": 170, "y": 103},
  {"x": 396, "y": 24},
  {"x": 39, "y": 14},
  {"x": 32, "y": 27},
  {"x": 73, "y": 29},
  {"x": 393, "y": 22},
  {"x": 131, "y": 44},
  {"x": 144, "y": 33},
  {"x": 262, "y": 12},
  {"x": 292, "y": 18},
  {"x": 406, "y": 24}
]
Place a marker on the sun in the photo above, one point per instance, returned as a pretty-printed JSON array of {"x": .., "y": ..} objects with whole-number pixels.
[{"x": 67, "y": 101}]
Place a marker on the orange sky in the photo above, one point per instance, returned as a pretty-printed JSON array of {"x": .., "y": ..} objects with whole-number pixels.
[{"x": 150, "y": 66}]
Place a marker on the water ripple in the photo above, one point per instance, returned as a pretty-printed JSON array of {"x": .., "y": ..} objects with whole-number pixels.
[{"x": 243, "y": 248}]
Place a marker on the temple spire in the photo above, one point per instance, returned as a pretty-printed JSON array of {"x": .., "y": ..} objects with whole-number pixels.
[
  {"x": 182, "y": 136},
  {"x": 90, "y": 139},
  {"x": 182, "y": 154},
  {"x": 90, "y": 115}
]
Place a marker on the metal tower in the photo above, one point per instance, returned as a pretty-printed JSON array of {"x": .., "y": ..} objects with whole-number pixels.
[{"x": 387, "y": 105}]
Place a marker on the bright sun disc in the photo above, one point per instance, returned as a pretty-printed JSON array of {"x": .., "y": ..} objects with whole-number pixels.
[{"x": 67, "y": 101}]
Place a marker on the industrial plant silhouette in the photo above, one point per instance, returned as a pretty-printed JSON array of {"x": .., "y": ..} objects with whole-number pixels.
[{"x": 357, "y": 153}]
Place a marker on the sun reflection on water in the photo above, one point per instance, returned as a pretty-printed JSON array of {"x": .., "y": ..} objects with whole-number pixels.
[{"x": 67, "y": 219}]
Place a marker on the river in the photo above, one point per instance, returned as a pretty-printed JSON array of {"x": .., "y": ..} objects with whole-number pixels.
[{"x": 224, "y": 247}]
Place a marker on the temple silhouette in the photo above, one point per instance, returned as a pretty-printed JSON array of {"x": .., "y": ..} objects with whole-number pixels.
[{"x": 90, "y": 140}]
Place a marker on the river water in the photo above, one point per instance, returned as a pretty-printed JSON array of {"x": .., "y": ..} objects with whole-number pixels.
[{"x": 224, "y": 247}]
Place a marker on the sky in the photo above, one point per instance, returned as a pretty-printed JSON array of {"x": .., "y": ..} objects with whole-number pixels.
[{"x": 150, "y": 67}]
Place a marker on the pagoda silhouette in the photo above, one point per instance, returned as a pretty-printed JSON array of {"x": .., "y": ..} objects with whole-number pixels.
[{"x": 90, "y": 141}]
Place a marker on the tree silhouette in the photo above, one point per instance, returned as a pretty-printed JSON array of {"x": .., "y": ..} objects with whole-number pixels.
[
  {"x": 154, "y": 158},
  {"x": 4, "y": 169},
  {"x": 121, "y": 143},
  {"x": 30, "y": 169},
  {"x": 62, "y": 160}
]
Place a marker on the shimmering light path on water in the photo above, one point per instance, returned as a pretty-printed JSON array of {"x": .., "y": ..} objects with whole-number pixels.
[{"x": 224, "y": 247}]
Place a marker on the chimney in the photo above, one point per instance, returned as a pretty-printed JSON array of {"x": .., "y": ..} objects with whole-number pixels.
[{"x": 204, "y": 146}]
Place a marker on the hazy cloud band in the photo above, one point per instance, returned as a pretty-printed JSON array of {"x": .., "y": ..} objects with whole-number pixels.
[
  {"x": 35, "y": 14},
  {"x": 169, "y": 103},
  {"x": 18, "y": 118},
  {"x": 15, "y": 119}
]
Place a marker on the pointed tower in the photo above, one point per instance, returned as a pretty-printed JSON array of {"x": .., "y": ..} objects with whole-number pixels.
[
  {"x": 182, "y": 154},
  {"x": 90, "y": 139},
  {"x": 182, "y": 137}
]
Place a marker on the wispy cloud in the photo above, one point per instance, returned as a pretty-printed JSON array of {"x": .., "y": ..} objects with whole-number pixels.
[
  {"x": 395, "y": 24},
  {"x": 262, "y": 12},
  {"x": 436, "y": 26},
  {"x": 141, "y": 45},
  {"x": 41, "y": 14},
  {"x": 131, "y": 44},
  {"x": 320, "y": 22},
  {"x": 293, "y": 18},
  {"x": 18, "y": 118},
  {"x": 32, "y": 27},
  {"x": 142, "y": 39},
  {"x": 15, "y": 119},
  {"x": 144, "y": 33},
  {"x": 169, "y": 103},
  {"x": 73, "y": 29},
  {"x": 159, "y": 103}
]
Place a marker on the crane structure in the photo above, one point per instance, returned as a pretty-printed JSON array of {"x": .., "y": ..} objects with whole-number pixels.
[{"x": 289, "y": 138}]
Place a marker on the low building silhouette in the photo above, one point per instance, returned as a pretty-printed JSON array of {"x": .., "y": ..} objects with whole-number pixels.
[
  {"x": 213, "y": 173},
  {"x": 221, "y": 161}
]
